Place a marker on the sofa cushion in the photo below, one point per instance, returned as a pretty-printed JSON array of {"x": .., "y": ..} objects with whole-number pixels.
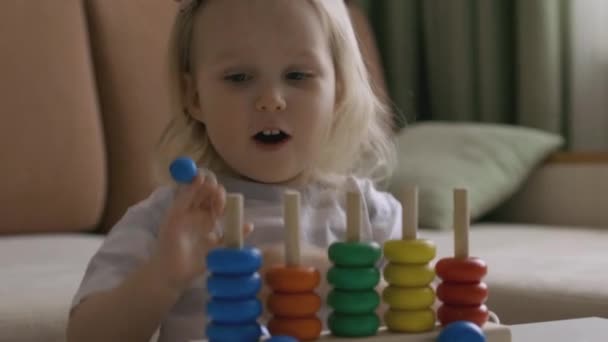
[
  {"x": 491, "y": 160},
  {"x": 538, "y": 273},
  {"x": 51, "y": 146},
  {"x": 39, "y": 275},
  {"x": 130, "y": 48}
]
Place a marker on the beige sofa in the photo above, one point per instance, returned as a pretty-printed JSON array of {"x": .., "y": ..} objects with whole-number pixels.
[{"x": 82, "y": 99}]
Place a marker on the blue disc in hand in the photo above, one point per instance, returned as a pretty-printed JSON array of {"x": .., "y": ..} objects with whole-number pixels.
[
  {"x": 234, "y": 287},
  {"x": 217, "y": 332},
  {"x": 461, "y": 331},
  {"x": 183, "y": 170},
  {"x": 232, "y": 261},
  {"x": 234, "y": 311}
]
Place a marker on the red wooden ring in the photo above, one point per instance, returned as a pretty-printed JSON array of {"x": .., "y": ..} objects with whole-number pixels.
[
  {"x": 447, "y": 314},
  {"x": 304, "y": 329},
  {"x": 473, "y": 294},
  {"x": 297, "y": 279},
  {"x": 469, "y": 270},
  {"x": 294, "y": 305}
]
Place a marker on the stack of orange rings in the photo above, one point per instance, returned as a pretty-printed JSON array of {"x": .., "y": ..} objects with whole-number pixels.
[
  {"x": 462, "y": 291},
  {"x": 293, "y": 302}
]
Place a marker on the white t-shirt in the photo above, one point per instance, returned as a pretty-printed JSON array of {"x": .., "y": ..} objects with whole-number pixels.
[{"x": 322, "y": 216}]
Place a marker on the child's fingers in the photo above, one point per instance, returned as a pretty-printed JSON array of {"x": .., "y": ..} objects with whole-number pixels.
[
  {"x": 199, "y": 198},
  {"x": 186, "y": 194},
  {"x": 247, "y": 228},
  {"x": 219, "y": 201},
  {"x": 207, "y": 195},
  {"x": 213, "y": 239}
]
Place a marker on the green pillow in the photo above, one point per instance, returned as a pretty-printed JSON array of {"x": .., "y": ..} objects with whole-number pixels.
[{"x": 490, "y": 160}]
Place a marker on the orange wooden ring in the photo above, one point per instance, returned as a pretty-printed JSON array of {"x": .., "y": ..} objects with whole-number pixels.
[
  {"x": 469, "y": 270},
  {"x": 294, "y": 305},
  {"x": 452, "y": 313},
  {"x": 304, "y": 329},
  {"x": 462, "y": 294},
  {"x": 296, "y": 279}
]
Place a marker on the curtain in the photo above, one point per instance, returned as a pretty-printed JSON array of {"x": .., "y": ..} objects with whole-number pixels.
[{"x": 505, "y": 61}]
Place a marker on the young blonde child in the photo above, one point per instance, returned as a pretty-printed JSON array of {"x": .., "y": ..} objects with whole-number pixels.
[{"x": 269, "y": 95}]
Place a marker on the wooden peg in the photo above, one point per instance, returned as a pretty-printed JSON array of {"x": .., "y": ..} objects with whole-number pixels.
[
  {"x": 353, "y": 216},
  {"x": 461, "y": 224},
  {"x": 291, "y": 215},
  {"x": 233, "y": 224},
  {"x": 409, "y": 204}
]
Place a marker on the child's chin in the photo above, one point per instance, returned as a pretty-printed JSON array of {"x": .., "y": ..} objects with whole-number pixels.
[{"x": 275, "y": 177}]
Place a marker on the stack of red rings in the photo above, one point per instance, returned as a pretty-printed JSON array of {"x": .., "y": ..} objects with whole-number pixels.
[{"x": 462, "y": 291}]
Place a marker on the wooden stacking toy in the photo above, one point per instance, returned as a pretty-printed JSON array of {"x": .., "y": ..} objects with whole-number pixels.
[
  {"x": 462, "y": 291},
  {"x": 234, "y": 282},
  {"x": 354, "y": 277},
  {"x": 409, "y": 274},
  {"x": 293, "y": 301}
]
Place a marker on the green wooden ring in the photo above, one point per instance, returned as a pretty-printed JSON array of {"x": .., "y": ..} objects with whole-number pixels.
[
  {"x": 355, "y": 254},
  {"x": 353, "y": 302},
  {"x": 353, "y": 278},
  {"x": 353, "y": 325}
]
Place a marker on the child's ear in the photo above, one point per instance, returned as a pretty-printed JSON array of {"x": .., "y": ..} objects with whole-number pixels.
[{"x": 191, "y": 98}]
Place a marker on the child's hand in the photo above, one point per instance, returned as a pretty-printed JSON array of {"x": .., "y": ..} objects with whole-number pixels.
[{"x": 187, "y": 234}]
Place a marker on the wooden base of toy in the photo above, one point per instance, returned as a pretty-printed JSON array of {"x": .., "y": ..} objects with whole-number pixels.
[{"x": 494, "y": 333}]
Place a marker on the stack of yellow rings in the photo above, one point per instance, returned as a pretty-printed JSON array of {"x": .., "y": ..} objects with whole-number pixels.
[{"x": 409, "y": 294}]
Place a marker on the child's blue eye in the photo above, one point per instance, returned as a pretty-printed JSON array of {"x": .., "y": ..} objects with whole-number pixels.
[
  {"x": 297, "y": 76},
  {"x": 237, "y": 78}
]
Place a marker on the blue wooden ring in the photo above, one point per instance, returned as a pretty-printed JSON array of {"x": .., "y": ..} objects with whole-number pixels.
[
  {"x": 461, "y": 331},
  {"x": 183, "y": 170},
  {"x": 234, "y": 287},
  {"x": 234, "y": 311},
  {"x": 217, "y": 332},
  {"x": 231, "y": 261}
]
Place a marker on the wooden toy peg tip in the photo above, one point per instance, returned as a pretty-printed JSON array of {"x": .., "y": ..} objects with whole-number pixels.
[
  {"x": 461, "y": 224},
  {"x": 291, "y": 215},
  {"x": 233, "y": 227},
  {"x": 409, "y": 204},
  {"x": 353, "y": 216}
]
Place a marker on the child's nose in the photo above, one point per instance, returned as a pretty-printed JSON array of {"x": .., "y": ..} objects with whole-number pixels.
[{"x": 270, "y": 103}]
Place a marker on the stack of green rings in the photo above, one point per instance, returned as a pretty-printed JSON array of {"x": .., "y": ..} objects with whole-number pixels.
[
  {"x": 353, "y": 298},
  {"x": 409, "y": 294}
]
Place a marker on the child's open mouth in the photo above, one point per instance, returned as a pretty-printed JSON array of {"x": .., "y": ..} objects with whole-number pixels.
[{"x": 271, "y": 137}]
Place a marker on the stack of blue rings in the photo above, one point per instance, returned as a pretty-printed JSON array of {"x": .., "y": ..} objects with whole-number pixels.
[
  {"x": 233, "y": 286},
  {"x": 234, "y": 282}
]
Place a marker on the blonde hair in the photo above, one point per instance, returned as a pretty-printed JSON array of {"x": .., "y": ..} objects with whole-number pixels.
[{"x": 359, "y": 140}]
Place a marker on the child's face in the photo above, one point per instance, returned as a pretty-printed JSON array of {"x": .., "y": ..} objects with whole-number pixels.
[{"x": 262, "y": 67}]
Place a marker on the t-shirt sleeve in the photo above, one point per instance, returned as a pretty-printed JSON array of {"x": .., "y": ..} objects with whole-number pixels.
[
  {"x": 384, "y": 212},
  {"x": 130, "y": 242}
]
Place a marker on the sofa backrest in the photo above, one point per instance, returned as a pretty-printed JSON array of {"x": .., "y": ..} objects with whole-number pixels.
[
  {"x": 53, "y": 171},
  {"x": 129, "y": 39},
  {"x": 83, "y": 97}
]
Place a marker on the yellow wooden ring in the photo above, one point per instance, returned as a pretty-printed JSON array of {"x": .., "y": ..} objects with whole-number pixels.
[
  {"x": 409, "y": 251},
  {"x": 409, "y": 275},
  {"x": 409, "y": 298},
  {"x": 410, "y": 321}
]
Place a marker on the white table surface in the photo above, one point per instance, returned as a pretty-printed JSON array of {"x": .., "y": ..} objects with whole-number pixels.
[{"x": 591, "y": 329}]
